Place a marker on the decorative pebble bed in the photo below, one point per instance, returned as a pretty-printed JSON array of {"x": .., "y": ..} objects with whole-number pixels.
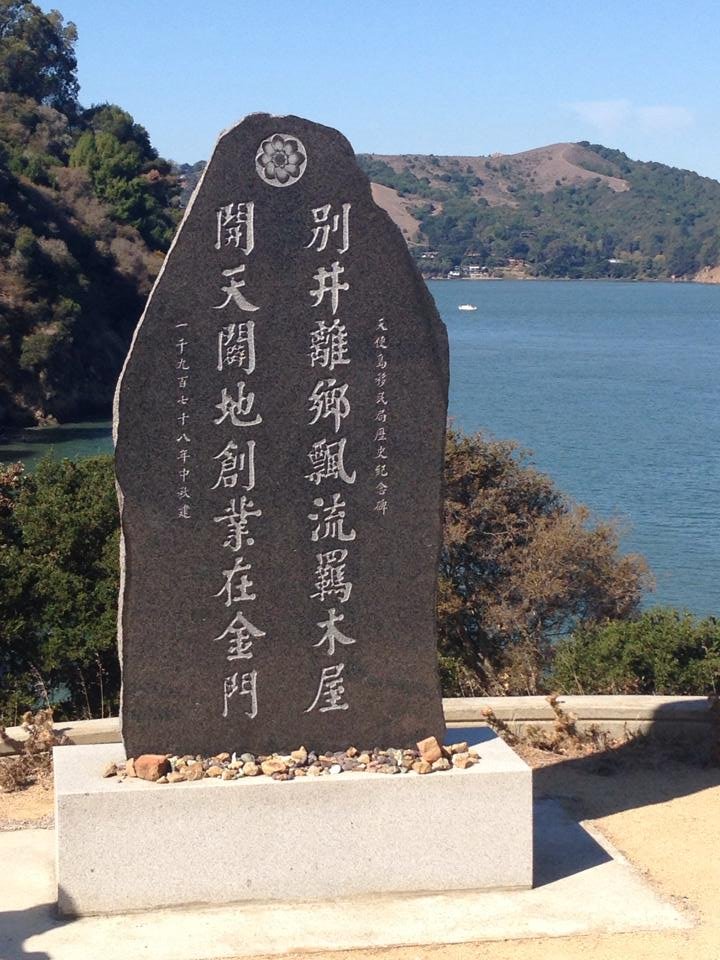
[{"x": 427, "y": 757}]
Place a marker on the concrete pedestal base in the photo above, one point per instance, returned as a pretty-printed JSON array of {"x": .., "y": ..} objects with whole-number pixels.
[{"x": 139, "y": 846}]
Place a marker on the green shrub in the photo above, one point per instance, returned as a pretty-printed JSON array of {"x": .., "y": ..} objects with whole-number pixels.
[
  {"x": 664, "y": 651},
  {"x": 58, "y": 589}
]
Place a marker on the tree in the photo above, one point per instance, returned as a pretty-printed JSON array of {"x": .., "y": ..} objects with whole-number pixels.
[
  {"x": 127, "y": 173},
  {"x": 37, "y": 54},
  {"x": 59, "y": 576},
  {"x": 521, "y": 566}
]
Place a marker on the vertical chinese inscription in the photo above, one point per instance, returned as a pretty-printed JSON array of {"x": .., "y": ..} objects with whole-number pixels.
[
  {"x": 329, "y": 406},
  {"x": 236, "y": 414},
  {"x": 183, "y": 440},
  {"x": 381, "y": 438}
]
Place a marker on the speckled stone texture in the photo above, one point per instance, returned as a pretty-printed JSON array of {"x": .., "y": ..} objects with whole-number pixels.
[
  {"x": 280, "y": 428},
  {"x": 139, "y": 845}
]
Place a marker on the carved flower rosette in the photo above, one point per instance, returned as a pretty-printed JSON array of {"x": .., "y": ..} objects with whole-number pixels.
[{"x": 281, "y": 160}]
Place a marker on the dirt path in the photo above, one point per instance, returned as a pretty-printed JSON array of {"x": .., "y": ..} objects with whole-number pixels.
[
  {"x": 665, "y": 817},
  {"x": 31, "y": 807}
]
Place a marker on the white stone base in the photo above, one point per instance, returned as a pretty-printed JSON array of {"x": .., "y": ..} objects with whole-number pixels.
[{"x": 139, "y": 846}]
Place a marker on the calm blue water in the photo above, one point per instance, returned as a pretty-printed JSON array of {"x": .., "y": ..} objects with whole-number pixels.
[
  {"x": 614, "y": 386},
  {"x": 616, "y": 389}
]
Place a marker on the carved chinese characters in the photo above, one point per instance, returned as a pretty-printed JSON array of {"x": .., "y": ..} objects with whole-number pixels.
[{"x": 279, "y": 447}]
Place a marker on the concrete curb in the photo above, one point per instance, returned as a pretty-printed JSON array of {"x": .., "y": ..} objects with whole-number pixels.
[{"x": 663, "y": 716}]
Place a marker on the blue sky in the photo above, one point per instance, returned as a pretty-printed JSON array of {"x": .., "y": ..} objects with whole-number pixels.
[{"x": 414, "y": 77}]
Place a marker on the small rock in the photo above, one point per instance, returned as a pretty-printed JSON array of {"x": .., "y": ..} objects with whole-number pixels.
[
  {"x": 422, "y": 766},
  {"x": 459, "y": 747},
  {"x": 281, "y": 776},
  {"x": 351, "y": 752},
  {"x": 300, "y": 772},
  {"x": 194, "y": 772},
  {"x": 473, "y": 753},
  {"x": 152, "y": 766},
  {"x": 175, "y": 777},
  {"x": 215, "y": 771},
  {"x": 336, "y": 768},
  {"x": 364, "y": 758},
  {"x": 300, "y": 755},
  {"x": 463, "y": 761},
  {"x": 222, "y": 757},
  {"x": 429, "y": 749},
  {"x": 228, "y": 774},
  {"x": 162, "y": 779},
  {"x": 314, "y": 771},
  {"x": 130, "y": 767},
  {"x": 247, "y": 757},
  {"x": 273, "y": 765},
  {"x": 250, "y": 768},
  {"x": 110, "y": 770},
  {"x": 442, "y": 763}
]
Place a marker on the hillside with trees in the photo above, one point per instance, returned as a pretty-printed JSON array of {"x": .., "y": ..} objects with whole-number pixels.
[
  {"x": 87, "y": 209},
  {"x": 576, "y": 210}
]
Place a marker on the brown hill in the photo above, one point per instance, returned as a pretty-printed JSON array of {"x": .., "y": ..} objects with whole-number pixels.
[{"x": 542, "y": 169}]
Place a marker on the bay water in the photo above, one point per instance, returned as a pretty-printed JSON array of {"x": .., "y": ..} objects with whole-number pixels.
[{"x": 615, "y": 387}]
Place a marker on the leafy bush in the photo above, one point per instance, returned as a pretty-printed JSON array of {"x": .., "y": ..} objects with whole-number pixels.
[
  {"x": 59, "y": 576},
  {"x": 663, "y": 651},
  {"x": 521, "y": 566}
]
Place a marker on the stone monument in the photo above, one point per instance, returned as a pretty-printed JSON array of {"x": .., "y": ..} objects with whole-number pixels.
[{"x": 280, "y": 426}]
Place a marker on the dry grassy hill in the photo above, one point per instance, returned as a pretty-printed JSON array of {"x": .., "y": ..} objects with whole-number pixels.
[{"x": 567, "y": 209}]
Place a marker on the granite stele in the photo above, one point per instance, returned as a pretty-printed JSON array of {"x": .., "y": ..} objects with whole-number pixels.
[{"x": 280, "y": 427}]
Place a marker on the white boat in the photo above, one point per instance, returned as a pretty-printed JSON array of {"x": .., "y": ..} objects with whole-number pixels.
[{"x": 466, "y": 306}]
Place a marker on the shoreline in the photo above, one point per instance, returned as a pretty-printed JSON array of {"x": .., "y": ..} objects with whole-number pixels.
[{"x": 700, "y": 283}]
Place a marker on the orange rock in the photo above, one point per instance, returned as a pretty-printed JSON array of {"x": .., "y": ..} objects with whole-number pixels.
[
  {"x": 422, "y": 766},
  {"x": 194, "y": 772},
  {"x": 152, "y": 766},
  {"x": 273, "y": 765},
  {"x": 429, "y": 749}
]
